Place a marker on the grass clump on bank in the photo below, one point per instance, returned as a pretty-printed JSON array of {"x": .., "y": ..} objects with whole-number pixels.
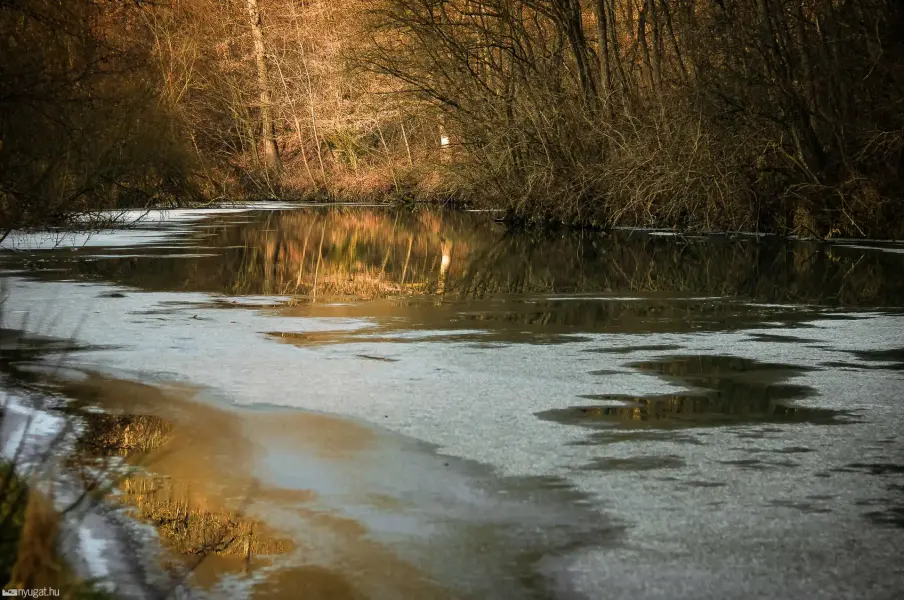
[{"x": 29, "y": 528}]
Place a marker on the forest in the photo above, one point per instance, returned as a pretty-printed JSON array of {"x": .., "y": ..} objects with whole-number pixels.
[{"x": 783, "y": 116}]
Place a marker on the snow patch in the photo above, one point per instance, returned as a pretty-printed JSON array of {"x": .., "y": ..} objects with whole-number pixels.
[
  {"x": 93, "y": 549},
  {"x": 27, "y": 433}
]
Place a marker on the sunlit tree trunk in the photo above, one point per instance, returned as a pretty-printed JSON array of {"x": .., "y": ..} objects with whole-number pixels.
[
  {"x": 268, "y": 131},
  {"x": 612, "y": 25}
]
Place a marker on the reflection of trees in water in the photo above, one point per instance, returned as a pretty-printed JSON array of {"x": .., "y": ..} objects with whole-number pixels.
[
  {"x": 626, "y": 315},
  {"x": 122, "y": 435},
  {"x": 705, "y": 410},
  {"x": 366, "y": 253},
  {"x": 621, "y": 263},
  {"x": 732, "y": 390},
  {"x": 354, "y": 253},
  {"x": 190, "y": 526},
  {"x": 183, "y": 517}
]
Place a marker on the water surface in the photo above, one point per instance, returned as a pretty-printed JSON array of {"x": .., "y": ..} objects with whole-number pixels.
[{"x": 424, "y": 404}]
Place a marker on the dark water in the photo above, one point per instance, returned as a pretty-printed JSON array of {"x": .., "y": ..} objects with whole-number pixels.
[
  {"x": 728, "y": 391},
  {"x": 368, "y": 253},
  {"x": 452, "y": 409}
]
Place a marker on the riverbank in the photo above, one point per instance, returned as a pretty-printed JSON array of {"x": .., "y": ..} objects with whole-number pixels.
[
  {"x": 589, "y": 115},
  {"x": 62, "y": 534},
  {"x": 58, "y": 539}
]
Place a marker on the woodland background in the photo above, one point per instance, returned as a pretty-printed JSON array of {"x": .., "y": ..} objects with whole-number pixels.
[{"x": 767, "y": 115}]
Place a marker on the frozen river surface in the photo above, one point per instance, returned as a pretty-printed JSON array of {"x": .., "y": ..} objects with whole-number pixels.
[{"x": 422, "y": 405}]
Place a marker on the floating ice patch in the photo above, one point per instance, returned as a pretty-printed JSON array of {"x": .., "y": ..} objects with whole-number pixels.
[
  {"x": 597, "y": 298},
  {"x": 891, "y": 249},
  {"x": 54, "y": 371},
  {"x": 178, "y": 255},
  {"x": 254, "y": 300},
  {"x": 21, "y": 240},
  {"x": 27, "y": 433},
  {"x": 148, "y": 227},
  {"x": 134, "y": 216}
]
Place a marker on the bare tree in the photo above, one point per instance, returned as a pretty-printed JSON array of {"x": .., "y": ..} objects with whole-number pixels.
[{"x": 268, "y": 129}]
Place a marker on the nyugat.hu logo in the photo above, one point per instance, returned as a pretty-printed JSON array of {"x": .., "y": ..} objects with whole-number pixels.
[{"x": 32, "y": 593}]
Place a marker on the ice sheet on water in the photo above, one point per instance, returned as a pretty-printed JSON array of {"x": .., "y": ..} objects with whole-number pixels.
[
  {"x": 231, "y": 351},
  {"x": 143, "y": 227},
  {"x": 480, "y": 403},
  {"x": 27, "y": 241},
  {"x": 599, "y": 298},
  {"x": 175, "y": 255},
  {"x": 891, "y": 249},
  {"x": 474, "y": 403},
  {"x": 93, "y": 550},
  {"x": 133, "y": 216},
  {"x": 27, "y": 432},
  {"x": 52, "y": 370},
  {"x": 583, "y": 298}
]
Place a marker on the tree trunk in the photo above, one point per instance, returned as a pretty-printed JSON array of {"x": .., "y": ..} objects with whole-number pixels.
[
  {"x": 568, "y": 16},
  {"x": 657, "y": 43},
  {"x": 645, "y": 47},
  {"x": 603, "y": 39},
  {"x": 268, "y": 132}
]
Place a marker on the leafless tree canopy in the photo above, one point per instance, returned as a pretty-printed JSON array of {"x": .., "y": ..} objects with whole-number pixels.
[
  {"x": 732, "y": 113},
  {"x": 780, "y": 115}
]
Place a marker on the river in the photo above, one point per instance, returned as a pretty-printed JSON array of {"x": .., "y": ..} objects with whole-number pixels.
[{"x": 377, "y": 403}]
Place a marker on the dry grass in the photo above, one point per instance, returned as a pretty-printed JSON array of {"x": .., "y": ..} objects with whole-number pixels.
[
  {"x": 38, "y": 563},
  {"x": 381, "y": 182},
  {"x": 691, "y": 122}
]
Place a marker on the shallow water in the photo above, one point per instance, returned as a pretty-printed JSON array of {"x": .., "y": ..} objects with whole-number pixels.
[{"x": 422, "y": 404}]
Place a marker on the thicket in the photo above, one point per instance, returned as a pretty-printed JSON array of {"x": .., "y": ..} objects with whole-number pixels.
[
  {"x": 81, "y": 127},
  {"x": 272, "y": 95},
  {"x": 779, "y": 115}
]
